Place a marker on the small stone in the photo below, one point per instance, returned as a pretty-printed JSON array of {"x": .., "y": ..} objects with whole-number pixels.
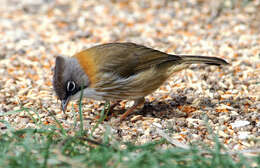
[
  {"x": 222, "y": 134},
  {"x": 258, "y": 106},
  {"x": 157, "y": 125},
  {"x": 137, "y": 117},
  {"x": 258, "y": 124},
  {"x": 239, "y": 123},
  {"x": 243, "y": 135}
]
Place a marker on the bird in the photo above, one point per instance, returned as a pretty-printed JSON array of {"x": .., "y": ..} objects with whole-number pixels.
[{"x": 119, "y": 71}]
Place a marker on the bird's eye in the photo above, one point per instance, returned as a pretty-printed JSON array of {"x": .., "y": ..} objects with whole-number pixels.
[{"x": 71, "y": 86}]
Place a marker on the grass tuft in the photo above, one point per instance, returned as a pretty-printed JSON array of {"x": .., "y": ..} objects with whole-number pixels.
[{"x": 52, "y": 146}]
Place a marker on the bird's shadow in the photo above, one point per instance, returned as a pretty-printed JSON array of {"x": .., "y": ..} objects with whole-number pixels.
[
  {"x": 161, "y": 109},
  {"x": 166, "y": 109},
  {"x": 172, "y": 108}
]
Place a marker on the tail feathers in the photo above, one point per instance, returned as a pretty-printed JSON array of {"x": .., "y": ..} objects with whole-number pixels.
[{"x": 190, "y": 59}]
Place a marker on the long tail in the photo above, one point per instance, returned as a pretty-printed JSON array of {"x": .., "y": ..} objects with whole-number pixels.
[{"x": 192, "y": 59}]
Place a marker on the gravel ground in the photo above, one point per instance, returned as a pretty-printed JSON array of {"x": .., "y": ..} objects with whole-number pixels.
[{"x": 33, "y": 32}]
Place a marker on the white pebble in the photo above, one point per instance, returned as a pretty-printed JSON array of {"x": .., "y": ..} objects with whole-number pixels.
[
  {"x": 243, "y": 135},
  {"x": 239, "y": 123}
]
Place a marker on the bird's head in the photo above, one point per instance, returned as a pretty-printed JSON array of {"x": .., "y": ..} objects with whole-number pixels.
[{"x": 68, "y": 79}]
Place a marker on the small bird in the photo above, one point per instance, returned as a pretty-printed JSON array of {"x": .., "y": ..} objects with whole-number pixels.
[{"x": 118, "y": 71}]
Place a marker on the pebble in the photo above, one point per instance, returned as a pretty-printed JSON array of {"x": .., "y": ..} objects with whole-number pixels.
[
  {"x": 239, "y": 123},
  {"x": 157, "y": 125},
  {"x": 136, "y": 118},
  {"x": 258, "y": 124},
  {"x": 223, "y": 134},
  {"x": 243, "y": 135},
  {"x": 258, "y": 106}
]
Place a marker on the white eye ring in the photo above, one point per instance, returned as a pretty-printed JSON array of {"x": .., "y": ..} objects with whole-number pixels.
[{"x": 71, "y": 86}]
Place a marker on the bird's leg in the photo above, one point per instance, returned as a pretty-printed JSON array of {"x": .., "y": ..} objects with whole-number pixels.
[
  {"x": 139, "y": 103},
  {"x": 111, "y": 108},
  {"x": 114, "y": 105}
]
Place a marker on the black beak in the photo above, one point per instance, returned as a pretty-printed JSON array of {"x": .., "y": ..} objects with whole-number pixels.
[{"x": 64, "y": 104}]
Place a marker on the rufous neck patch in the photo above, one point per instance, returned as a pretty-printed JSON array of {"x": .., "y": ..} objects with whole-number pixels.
[{"x": 87, "y": 62}]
